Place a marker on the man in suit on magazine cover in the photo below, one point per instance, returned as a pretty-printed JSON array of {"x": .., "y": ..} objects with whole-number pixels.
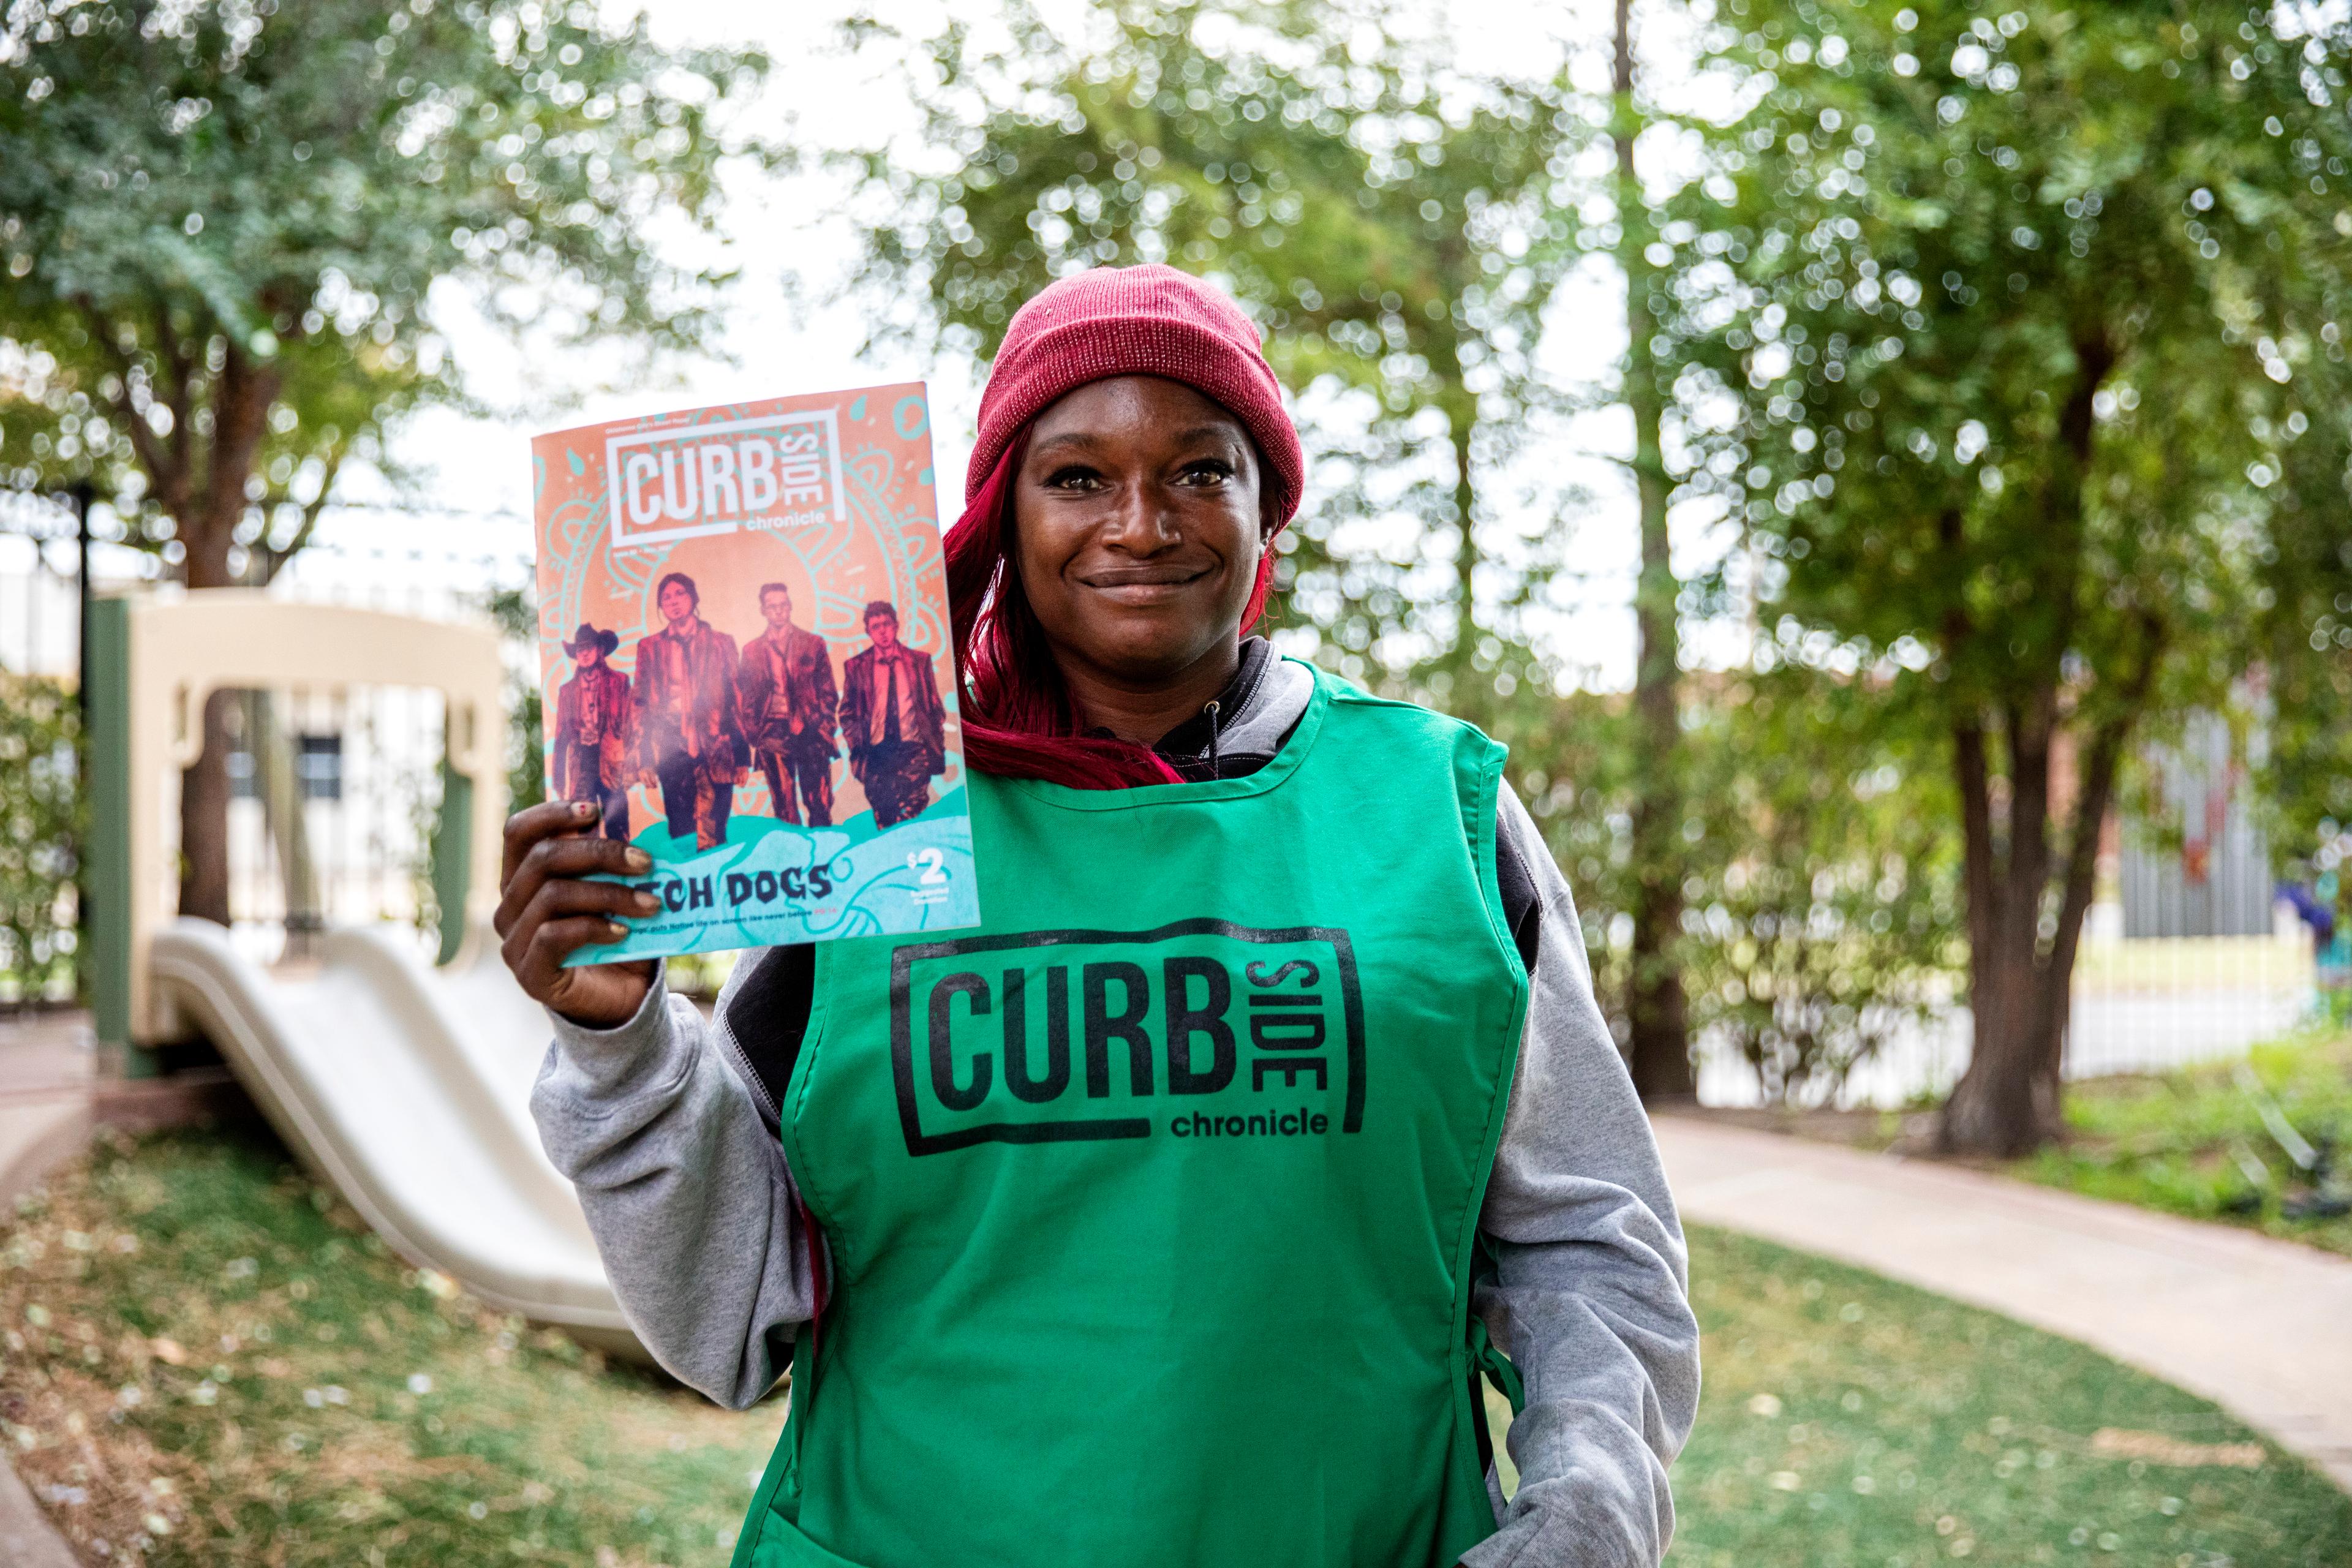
[
  {"x": 690, "y": 738},
  {"x": 894, "y": 720},
  {"x": 789, "y": 709}
]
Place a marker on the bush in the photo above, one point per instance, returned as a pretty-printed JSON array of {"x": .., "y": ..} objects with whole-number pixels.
[
  {"x": 515, "y": 612},
  {"x": 40, "y": 824},
  {"x": 1832, "y": 924},
  {"x": 1822, "y": 909}
]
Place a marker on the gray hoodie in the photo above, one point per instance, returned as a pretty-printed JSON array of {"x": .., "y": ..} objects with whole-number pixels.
[{"x": 665, "y": 1127}]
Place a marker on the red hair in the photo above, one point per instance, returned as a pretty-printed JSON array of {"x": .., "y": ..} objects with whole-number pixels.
[{"x": 1017, "y": 717}]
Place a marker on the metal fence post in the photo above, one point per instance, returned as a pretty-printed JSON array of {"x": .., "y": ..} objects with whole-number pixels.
[
  {"x": 452, "y": 849},
  {"x": 104, "y": 917}
]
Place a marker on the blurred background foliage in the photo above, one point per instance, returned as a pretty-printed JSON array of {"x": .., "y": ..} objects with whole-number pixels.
[
  {"x": 220, "y": 225},
  {"x": 2024, "y": 313},
  {"x": 516, "y": 615},
  {"x": 1988, "y": 363},
  {"x": 1818, "y": 877},
  {"x": 40, "y": 829},
  {"x": 1389, "y": 221},
  {"x": 2000, "y": 348}
]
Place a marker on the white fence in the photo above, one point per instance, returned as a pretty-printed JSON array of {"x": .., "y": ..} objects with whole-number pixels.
[{"x": 2139, "y": 1005}]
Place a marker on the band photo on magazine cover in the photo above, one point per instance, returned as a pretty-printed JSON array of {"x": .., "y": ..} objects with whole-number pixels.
[
  {"x": 698, "y": 716},
  {"x": 742, "y": 639}
]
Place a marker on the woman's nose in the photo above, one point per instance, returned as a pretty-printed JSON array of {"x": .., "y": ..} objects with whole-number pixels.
[{"x": 1142, "y": 521}]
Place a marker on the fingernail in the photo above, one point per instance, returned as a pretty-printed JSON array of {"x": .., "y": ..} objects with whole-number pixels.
[
  {"x": 637, "y": 859},
  {"x": 647, "y": 904},
  {"x": 582, "y": 808},
  {"x": 615, "y": 931}
]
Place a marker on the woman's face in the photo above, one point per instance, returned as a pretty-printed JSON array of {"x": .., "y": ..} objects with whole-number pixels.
[{"x": 1139, "y": 526}]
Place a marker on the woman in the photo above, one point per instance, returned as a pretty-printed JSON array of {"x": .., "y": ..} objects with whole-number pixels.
[{"x": 1202, "y": 1268}]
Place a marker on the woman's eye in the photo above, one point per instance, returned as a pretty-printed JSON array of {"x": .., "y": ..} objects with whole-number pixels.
[
  {"x": 1072, "y": 479},
  {"x": 1208, "y": 472}
]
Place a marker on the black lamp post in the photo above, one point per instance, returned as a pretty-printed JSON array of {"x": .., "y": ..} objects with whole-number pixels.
[{"x": 82, "y": 495}]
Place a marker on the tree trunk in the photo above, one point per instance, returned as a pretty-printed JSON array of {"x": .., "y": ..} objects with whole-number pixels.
[
  {"x": 207, "y": 534},
  {"x": 1656, "y": 1010},
  {"x": 204, "y": 818},
  {"x": 2009, "y": 1102},
  {"x": 2006, "y": 1103},
  {"x": 204, "y": 784}
]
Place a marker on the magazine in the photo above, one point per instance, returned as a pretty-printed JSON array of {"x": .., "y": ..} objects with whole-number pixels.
[{"x": 746, "y": 664}]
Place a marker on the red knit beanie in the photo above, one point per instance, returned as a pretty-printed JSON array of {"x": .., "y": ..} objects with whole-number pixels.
[{"x": 1136, "y": 320}]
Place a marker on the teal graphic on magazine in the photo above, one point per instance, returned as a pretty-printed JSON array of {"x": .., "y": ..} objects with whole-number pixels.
[{"x": 747, "y": 668}]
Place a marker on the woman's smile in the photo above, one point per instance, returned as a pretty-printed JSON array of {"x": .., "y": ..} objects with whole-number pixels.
[{"x": 1145, "y": 583}]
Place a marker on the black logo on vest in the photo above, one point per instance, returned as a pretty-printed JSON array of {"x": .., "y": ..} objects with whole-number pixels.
[{"x": 1054, "y": 1036}]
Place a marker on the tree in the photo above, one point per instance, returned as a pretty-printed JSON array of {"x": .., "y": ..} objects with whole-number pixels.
[
  {"x": 2305, "y": 621},
  {"x": 220, "y": 225},
  {"x": 1658, "y": 1044},
  {"x": 2028, "y": 315},
  {"x": 1393, "y": 223}
]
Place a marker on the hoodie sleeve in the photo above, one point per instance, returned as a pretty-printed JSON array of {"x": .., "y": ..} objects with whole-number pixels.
[
  {"x": 687, "y": 1192},
  {"x": 1591, "y": 1295}
]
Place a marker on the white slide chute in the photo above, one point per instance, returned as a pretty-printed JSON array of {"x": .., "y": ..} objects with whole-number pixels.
[{"x": 407, "y": 1090}]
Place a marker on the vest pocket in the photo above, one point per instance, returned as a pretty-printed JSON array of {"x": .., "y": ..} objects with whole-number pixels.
[
  {"x": 781, "y": 1545},
  {"x": 785, "y": 1547},
  {"x": 777, "y": 1499},
  {"x": 752, "y": 1545}
]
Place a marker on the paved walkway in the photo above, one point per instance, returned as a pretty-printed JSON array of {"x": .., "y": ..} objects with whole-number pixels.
[
  {"x": 48, "y": 1070},
  {"x": 2261, "y": 1328},
  {"x": 48, "y": 1076}
]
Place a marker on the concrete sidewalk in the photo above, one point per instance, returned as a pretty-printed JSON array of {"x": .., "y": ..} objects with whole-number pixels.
[
  {"x": 48, "y": 1078},
  {"x": 2261, "y": 1328},
  {"x": 47, "y": 1095}
]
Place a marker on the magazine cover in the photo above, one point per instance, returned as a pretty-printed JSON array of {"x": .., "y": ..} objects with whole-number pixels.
[{"x": 745, "y": 662}]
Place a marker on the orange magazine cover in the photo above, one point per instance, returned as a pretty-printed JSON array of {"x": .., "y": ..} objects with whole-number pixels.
[{"x": 746, "y": 664}]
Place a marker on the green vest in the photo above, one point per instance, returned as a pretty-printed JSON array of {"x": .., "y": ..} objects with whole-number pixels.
[{"x": 1153, "y": 1200}]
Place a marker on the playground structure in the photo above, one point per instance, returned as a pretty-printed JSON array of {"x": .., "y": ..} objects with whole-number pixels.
[{"x": 404, "y": 1083}]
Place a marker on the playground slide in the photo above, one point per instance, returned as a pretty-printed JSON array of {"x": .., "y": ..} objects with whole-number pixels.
[{"x": 407, "y": 1088}]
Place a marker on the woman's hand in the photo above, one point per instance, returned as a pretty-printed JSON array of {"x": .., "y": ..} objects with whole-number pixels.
[{"x": 549, "y": 910}]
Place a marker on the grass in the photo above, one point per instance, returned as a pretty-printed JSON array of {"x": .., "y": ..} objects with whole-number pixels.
[
  {"x": 207, "y": 1362},
  {"x": 1850, "y": 1422},
  {"x": 2172, "y": 1142}
]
